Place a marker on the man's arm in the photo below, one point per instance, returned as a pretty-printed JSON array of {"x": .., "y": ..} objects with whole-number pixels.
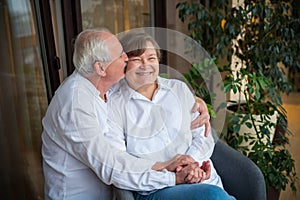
[
  {"x": 81, "y": 136},
  {"x": 173, "y": 164},
  {"x": 203, "y": 118}
]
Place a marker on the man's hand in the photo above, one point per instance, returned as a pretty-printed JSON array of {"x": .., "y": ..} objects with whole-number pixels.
[
  {"x": 203, "y": 118},
  {"x": 177, "y": 162}
]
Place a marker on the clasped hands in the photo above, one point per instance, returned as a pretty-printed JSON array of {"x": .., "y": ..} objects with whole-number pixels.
[{"x": 186, "y": 168}]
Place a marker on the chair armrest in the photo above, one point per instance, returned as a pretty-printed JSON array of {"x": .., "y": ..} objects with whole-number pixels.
[{"x": 240, "y": 176}]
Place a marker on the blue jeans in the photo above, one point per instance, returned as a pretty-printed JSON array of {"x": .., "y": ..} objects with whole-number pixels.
[{"x": 187, "y": 192}]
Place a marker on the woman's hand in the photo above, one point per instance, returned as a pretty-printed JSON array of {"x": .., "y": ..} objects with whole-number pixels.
[
  {"x": 185, "y": 173},
  {"x": 195, "y": 174},
  {"x": 206, "y": 168},
  {"x": 203, "y": 118}
]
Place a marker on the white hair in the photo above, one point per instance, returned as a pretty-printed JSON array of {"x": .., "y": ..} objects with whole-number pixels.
[{"x": 89, "y": 48}]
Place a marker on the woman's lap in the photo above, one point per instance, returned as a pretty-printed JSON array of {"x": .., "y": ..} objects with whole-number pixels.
[{"x": 188, "y": 192}]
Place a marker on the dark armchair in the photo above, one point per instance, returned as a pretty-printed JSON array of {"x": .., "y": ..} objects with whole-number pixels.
[{"x": 241, "y": 177}]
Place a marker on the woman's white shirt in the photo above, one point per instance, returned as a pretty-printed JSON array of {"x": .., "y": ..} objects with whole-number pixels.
[{"x": 158, "y": 129}]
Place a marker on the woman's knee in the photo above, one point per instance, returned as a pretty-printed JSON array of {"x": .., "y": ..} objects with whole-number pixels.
[{"x": 214, "y": 192}]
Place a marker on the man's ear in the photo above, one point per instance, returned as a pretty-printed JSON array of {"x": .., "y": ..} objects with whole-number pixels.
[{"x": 99, "y": 68}]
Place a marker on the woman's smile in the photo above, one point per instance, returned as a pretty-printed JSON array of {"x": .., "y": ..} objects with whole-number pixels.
[{"x": 144, "y": 73}]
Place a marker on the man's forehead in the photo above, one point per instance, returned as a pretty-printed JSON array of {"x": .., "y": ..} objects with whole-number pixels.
[
  {"x": 110, "y": 39},
  {"x": 114, "y": 47}
]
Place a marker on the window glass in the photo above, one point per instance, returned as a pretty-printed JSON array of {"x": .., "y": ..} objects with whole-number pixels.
[
  {"x": 116, "y": 15},
  {"x": 23, "y": 101}
]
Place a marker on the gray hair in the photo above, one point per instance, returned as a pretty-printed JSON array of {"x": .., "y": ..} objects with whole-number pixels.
[{"x": 89, "y": 48}]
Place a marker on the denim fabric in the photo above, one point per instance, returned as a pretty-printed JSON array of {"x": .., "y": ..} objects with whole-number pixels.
[{"x": 187, "y": 192}]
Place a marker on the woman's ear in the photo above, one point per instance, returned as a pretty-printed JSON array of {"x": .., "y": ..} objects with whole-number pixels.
[{"x": 99, "y": 68}]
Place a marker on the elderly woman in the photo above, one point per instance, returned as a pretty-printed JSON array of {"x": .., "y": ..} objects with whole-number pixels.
[{"x": 152, "y": 121}]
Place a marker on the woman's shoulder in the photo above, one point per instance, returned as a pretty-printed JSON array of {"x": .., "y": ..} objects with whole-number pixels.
[
  {"x": 174, "y": 84},
  {"x": 120, "y": 92}
]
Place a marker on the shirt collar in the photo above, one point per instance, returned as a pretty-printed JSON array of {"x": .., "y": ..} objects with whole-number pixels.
[
  {"x": 86, "y": 83},
  {"x": 163, "y": 83},
  {"x": 128, "y": 93}
]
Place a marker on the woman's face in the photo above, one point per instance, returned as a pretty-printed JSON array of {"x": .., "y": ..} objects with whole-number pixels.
[{"x": 143, "y": 70}]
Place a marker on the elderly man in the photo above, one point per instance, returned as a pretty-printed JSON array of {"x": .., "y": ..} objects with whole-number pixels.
[{"x": 78, "y": 162}]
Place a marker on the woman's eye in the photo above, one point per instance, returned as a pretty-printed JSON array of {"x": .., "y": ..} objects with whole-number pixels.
[
  {"x": 152, "y": 58},
  {"x": 135, "y": 60}
]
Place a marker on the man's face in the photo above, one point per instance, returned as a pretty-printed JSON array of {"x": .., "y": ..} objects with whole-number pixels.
[{"x": 115, "y": 68}]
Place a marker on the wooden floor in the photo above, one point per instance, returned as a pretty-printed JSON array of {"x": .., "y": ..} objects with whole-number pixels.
[{"x": 292, "y": 106}]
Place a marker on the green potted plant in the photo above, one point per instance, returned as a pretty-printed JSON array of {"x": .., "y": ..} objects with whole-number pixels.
[{"x": 259, "y": 41}]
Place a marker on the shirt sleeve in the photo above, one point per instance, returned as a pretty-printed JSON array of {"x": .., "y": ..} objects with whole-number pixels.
[
  {"x": 83, "y": 138},
  {"x": 202, "y": 147}
]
